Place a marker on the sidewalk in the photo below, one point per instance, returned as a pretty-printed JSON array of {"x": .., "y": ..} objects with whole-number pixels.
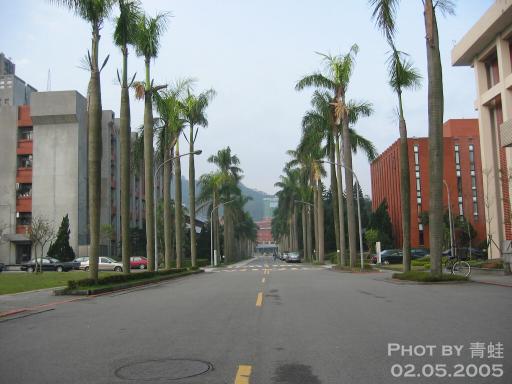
[{"x": 493, "y": 278}]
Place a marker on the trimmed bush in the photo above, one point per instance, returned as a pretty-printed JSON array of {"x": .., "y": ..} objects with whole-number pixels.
[
  {"x": 426, "y": 277},
  {"x": 121, "y": 278}
]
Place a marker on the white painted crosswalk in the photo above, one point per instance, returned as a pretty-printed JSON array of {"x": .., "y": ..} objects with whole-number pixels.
[{"x": 264, "y": 268}]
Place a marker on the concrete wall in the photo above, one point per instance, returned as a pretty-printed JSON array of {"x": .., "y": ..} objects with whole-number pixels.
[
  {"x": 8, "y": 140},
  {"x": 58, "y": 119}
]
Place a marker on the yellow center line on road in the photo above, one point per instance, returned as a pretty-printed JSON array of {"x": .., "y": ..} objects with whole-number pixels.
[
  {"x": 243, "y": 374},
  {"x": 259, "y": 299}
]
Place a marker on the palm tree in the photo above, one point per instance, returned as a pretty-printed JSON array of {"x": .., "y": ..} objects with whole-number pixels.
[
  {"x": 124, "y": 35},
  {"x": 94, "y": 12},
  {"x": 169, "y": 107},
  {"x": 147, "y": 43},
  {"x": 337, "y": 79},
  {"x": 194, "y": 110},
  {"x": 228, "y": 167},
  {"x": 403, "y": 75},
  {"x": 384, "y": 12}
]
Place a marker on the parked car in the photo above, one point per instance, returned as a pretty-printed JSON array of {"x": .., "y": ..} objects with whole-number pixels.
[
  {"x": 82, "y": 260},
  {"x": 464, "y": 253},
  {"x": 2, "y": 266},
  {"x": 284, "y": 256},
  {"x": 105, "y": 264},
  {"x": 418, "y": 253},
  {"x": 391, "y": 256},
  {"x": 50, "y": 264},
  {"x": 293, "y": 257},
  {"x": 138, "y": 262}
]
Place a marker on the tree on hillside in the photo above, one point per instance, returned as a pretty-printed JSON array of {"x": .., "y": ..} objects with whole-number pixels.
[{"x": 60, "y": 249}]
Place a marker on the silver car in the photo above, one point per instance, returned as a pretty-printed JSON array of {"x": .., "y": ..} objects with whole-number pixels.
[
  {"x": 293, "y": 257},
  {"x": 104, "y": 264}
]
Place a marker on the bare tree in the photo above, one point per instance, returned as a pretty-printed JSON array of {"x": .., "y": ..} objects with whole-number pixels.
[
  {"x": 488, "y": 202},
  {"x": 41, "y": 232}
]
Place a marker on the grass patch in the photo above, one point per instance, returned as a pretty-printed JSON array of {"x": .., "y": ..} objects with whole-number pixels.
[
  {"x": 108, "y": 285},
  {"x": 357, "y": 268},
  {"x": 22, "y": 282},
  {"x": 426, "y": 277}
]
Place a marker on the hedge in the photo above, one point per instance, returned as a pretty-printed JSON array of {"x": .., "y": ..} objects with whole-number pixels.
[{"x": 121, "y": 278}]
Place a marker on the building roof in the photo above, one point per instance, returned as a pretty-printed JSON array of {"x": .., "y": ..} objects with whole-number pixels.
[{"x": 497, "y": 18}]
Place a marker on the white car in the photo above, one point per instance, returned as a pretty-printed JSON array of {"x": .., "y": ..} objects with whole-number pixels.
[{"x": 104, "y": 264}]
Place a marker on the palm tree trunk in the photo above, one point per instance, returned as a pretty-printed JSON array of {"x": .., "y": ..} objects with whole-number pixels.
[
  {"x": 167, "y": 204},
  {"x": 304, "y": 233},
  {"x": 95, "y": 145},
  {"x": 321, "y": 250},
  {"x": 435, "y": 134},
  {"x": 309, "y": 234},
  {"x": 216, "y": 220},
  {"x": 192, "y": 199},
  {"x": 315, "y": 210},
  {"x": 148, "y": 169},
  {"x": 341, "y": 209},
  {"x": 349, "y": 182},
  {"x": 405, "y": 189},
  {"x": 178, "y": 207},
  {"x": 124, "y": 136},
  {"x": 335, "y": 210}
]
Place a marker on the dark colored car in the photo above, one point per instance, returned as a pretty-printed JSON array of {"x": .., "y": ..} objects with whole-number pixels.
[
  {"x": 50, "y": 264},
  {"x": 418, "y": 253},
  {"x": 2, "y": 266},
  {"x": 464, "y": 253},
  {"x": 391, "y": 256}
]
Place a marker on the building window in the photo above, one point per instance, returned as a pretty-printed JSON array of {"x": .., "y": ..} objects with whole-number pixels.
[
  {"x": 492, "y": 71},
  {"x": 459, "y": 179},
  {"x": 416, "y": 149},
  {"x": 473, "y": 179}
]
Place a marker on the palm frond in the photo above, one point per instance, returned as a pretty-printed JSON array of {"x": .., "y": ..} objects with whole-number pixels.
[{"x": 384, "y": 14}]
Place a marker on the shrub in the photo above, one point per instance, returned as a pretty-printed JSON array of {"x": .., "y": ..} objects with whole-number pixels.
[
  {"x": 121, "y": 278},
  {"x": 426, "y": 277}
]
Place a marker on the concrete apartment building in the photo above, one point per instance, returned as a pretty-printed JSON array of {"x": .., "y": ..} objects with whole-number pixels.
[
  {"x": 462, "y": 173},
  {"x": 43, "y": 173},
  {"x": 487, "y": 47}
]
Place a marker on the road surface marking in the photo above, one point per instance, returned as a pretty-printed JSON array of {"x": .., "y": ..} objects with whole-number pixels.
[
  {"x": 243, "y": 374},
  {"x": 259, "y": 299},
  {"x": 263, "y": 280},
  {"x": 266, "y": 265}
]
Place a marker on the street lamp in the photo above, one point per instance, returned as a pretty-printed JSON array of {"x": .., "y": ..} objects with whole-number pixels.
[
  {"x": 358, "y": 206},
  {"x": 450, "y": 219},
  {"x": 198, "y": 152},
  {"x": 211, "y": 227}
]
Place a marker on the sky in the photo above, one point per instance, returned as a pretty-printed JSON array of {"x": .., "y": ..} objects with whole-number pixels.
[{"x": 252, "y": 53}]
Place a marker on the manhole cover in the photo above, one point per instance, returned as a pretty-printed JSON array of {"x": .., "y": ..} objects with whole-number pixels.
[{"x": 163, "y": 369}]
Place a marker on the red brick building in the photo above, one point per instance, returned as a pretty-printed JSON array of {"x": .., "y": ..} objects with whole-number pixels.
[
  {"x": 264, "y": 235},
  {"x": 462, "y": 173}
]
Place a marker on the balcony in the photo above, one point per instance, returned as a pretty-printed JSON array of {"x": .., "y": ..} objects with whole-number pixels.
[
  {"x": 24, "y": 119},
  {"x": 22, "y": 229},
  {"x": 506, "y": 133},
  {"x": 113, "y": 183},
  {"x": 25, "y": 147},
  {"x": 24, "y": 175},
  {"x": 113, "y": 210},
  {"x": 24, "y": 204}
]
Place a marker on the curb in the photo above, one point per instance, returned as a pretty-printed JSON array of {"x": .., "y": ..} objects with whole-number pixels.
[
  {"x": 120, "y": 287},
  {"x": 12, "y": 312},
  {"x": 492, "y": 283}
]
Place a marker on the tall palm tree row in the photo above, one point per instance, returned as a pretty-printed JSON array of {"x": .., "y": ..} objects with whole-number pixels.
[
  {"x": 124, "y": 35},
  {"x": 148, "y": 33},
  {"x": 194, "y": 111},
  {"x": 95, "y": 13},
  {"x": 336, "y": 80},
  {"x": 384, "y": 12},
  {"x": 221, "y": 188}
]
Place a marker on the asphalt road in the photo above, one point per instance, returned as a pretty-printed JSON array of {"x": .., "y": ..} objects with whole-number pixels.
[{"x": 263, "y": 323}]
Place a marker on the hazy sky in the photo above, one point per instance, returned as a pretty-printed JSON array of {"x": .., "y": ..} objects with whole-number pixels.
[{"x": 252, "y": 53}]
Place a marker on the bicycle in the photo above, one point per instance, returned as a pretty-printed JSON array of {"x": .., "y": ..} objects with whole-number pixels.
[{"x": 459, "y": 267}]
